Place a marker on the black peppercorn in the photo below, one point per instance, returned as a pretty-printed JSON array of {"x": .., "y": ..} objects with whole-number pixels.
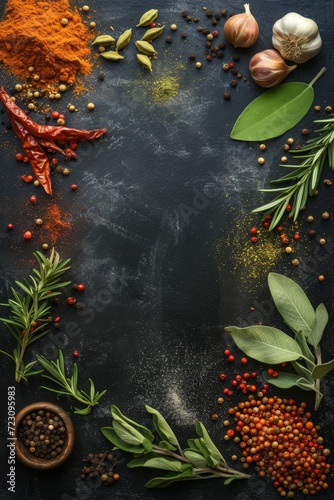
[
  {"x": 227, "y": 96},
  {"x": 214, "y": 21},
  {"x": 235, "y": 57},
  {"x": 196, "y": 19},
  {"x": 223, "y": 12},
  {"x": 311, "y": 232},
  {"x": 184, "y": 13},
  {"x": 189, "y": 19},
  {"x": 222, "y": 45},
  {"x": 192, "y": 56},
  {"x": 205, "y": 31},
  {"x": 209, "y": 13},
  {"x": 208, "y": 57},
  {"x": 168, "y": 39},
  {"x": 208, "y": 44},
  {"x": 233, "y": 83},
  {"x": 220, "y": 53}
]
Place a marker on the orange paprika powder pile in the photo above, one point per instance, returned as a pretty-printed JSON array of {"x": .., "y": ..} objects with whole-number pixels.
[{"x": 48, "y": 36}]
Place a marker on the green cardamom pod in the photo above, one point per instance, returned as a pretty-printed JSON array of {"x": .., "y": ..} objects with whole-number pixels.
[
  {"x": 112, "y": 55},
  {"x": 145, "y": 61},
  {"x": 104, "y": 40},
  {"x": 124, "y": 40},
  {"x": 146, "y": 48},
  {"x": 152, "y": 34},
  {"x": 148, "y": 18}
]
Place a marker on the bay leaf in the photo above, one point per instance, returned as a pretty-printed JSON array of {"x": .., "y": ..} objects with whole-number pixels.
[
  {"x": 321, "y": 320},
  {"x": 322, "y": 369},
  {"x": 275, "y": 111},
  {"x": 265, "y": 343},
  {"x": 292, "y": 303}
]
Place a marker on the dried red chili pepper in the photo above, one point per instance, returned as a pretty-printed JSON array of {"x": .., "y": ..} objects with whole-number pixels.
[
  {"x": 35, "y": 137},
  {"x": 38, "y": 159},
  {"x": 58, "y": 133}
]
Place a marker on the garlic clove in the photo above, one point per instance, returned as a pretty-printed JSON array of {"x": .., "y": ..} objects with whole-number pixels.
[
  {"x": 242, "y": 30},
  {"x": 268, "y": 68},
  {"x": 296, "y": 37}
]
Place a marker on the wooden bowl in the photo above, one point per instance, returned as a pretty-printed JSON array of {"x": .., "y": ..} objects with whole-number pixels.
[{"x": 22, "y": 451}]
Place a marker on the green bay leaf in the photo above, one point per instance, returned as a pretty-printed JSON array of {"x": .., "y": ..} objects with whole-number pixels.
[
  {"x": 265, "y": 343},
  {"x": 275, "y": 111},
  {"x": 292, "y": 303}
]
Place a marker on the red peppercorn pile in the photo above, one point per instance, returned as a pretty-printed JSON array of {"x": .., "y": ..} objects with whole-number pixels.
[{"x": 279, "y": 437}]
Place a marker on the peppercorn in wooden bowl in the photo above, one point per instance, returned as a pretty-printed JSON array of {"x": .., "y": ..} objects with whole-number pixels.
[{"x": 44, "y": 435}]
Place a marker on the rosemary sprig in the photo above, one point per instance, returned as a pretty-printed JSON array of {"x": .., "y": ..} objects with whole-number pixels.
[
  {"x": 30, "y": 309},
  {"x": 69, "y": 386},
  {"x": 304, "y": 177}
]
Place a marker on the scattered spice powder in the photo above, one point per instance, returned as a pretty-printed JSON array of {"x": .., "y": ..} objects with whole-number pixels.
[
  {"x": 165, "y": 87},
  {"x": 33, "y": 37},
  {"x": 56, "y": 223}
]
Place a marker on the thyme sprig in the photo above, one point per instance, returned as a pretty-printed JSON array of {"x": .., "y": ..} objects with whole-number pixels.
[
  {"x": 304, "y": 177},
  {"x": 30, "y": 310},
  {"x": 69, "y": 386}
]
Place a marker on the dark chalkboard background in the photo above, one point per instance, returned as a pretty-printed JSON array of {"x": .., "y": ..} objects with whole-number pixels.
[{"x": 159, "y": 223}]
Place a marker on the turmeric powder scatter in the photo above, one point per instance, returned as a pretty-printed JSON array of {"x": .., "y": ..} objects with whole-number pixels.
[
  {"x": 32, "y": 36},
  {"x": 278, "y": 436}
]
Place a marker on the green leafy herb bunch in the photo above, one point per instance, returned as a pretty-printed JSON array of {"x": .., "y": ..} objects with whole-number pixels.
[
  {"x": 301, "y": 350},
  {"x": 200, "y": 460},
  {"x": 30, "y": 308}
]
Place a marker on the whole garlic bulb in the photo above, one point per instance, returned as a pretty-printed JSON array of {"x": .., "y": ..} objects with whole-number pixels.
[
  {"x": 268, "y": 68},
  {"x": 242, "y": 30},
  {"x": 296, "y": 37}
]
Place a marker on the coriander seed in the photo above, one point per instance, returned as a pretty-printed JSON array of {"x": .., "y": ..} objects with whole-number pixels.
[
  {"x": 290, "y": 141},
  {"x": 263, "y": 147},
  {"x": 90, "y": 106},
  {"x": 325, "y": 215},
  {"x": 322, "y": 241},
  {"x": 284, "y": 159},
  {"x": 260, "y": 160},
  {"x": 328, "y": 109}
]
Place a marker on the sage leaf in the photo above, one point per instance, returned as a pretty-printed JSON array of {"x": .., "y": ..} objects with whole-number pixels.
[
  {"x": 321, "y": 320},
  {"x": 130, "y": 436},
  {"x": 153, "y": 461},
  {"x": 322, "y": 369},
  {"x": 211, "y": 447},
  {"x": 265, "y": 343},
  {"x": 292, "y": 303},
  {"x": 285, "y": 380},
  {"x": 195, "y": 458},
  {"x": 275, "y": 111},
  {"x": 119, "y": 416},
  {"x": 233, "y": 478},
  {"x": 309, "y": 357},
  {"x": 302, "y": 371},
  {"x": 162, "y": 427},
  {"x": 114, "y": 439},
  {"x": 161, "y": 482},
  {"x": 167, "y": 446}
]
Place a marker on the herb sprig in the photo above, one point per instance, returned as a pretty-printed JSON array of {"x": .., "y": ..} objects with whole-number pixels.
[
  {"x": 69, "y": 386},
  {"x": 270, "y": 345},
  {"x": 30, "y": 310},
  {"x": 304, "y": 177},
  {"x": 201, "y": 460}
]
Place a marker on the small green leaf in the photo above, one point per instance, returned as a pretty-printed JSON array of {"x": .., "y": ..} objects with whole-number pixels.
[
  {"x": 83, "y": 411},
  {"x": 158, "y": 462},
  {"x": 167, "y": 446},
  {"x": 211, "y": 447},
  {"x": 309, "y": 357},
  {"x": 286, "y": 380},
  {"x": 162, "y": 427},
  {"x": 322, "y": 369},
  {"x": 161, "y": 482},
  {"x": 274, "y": 112},
  {"x": 265, "y": 343},
  {"x": 302, "y": 371},
  {"x": 119, "y": 416},
  {"x": 292, "y": 303},
  {"x": 195, "y": 458},
  {"x": 111, "y": 435},
  {"x": 321, "y": 320},
  {"x": 128, "y": 434},
  {"x": 233, "y": 478}
]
